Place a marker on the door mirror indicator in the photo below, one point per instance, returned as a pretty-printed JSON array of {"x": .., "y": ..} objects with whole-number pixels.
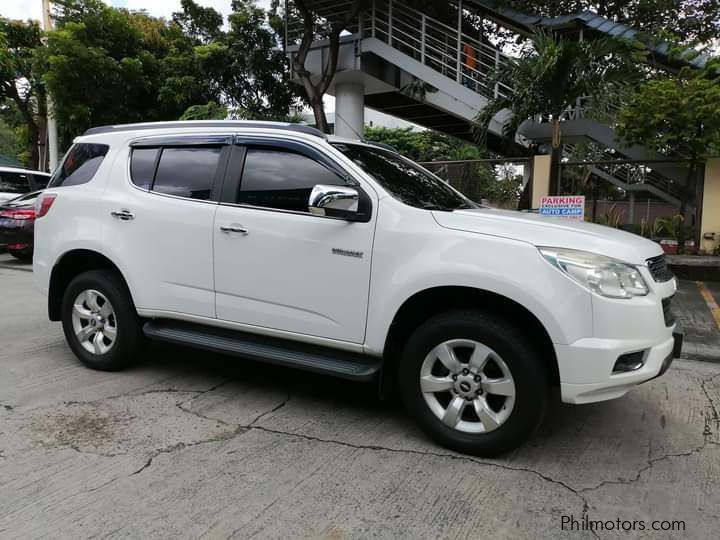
[{"x": 335, "y": 201}]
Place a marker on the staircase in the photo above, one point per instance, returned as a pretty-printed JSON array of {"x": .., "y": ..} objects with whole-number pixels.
[{"x": 414, "y": 67}]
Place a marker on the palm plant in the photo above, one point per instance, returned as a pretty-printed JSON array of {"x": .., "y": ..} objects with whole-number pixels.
[{"x": 552, "y": 75}]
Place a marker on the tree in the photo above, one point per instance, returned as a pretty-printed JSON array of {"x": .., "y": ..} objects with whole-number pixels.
[
  {"x": 253, "y": 74},
  {"x": 689, "y": 20},
  {"x": 107, "y": 65},
  {"x": 551, "y": 76},
  {"x": 423, "y": 145},
  {"x": 20, "y": 82},
  {"x": 677, "y": 116},
  {"x": 330, "y": 29}
]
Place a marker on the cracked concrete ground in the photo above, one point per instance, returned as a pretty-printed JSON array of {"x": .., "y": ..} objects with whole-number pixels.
[{"x": 189, "y": 444}]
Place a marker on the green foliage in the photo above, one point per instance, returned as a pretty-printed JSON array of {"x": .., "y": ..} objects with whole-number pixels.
[
  {"x": 688, "y": 19},
  {"x": 107, "y": 65},
  {"x": 675, "y": 116},
  {"x": 611, "y": 218},
  {"x": 10, "y": 143},
  {"x": 20, "y": 87},
  {"x": 553, "y": 73},
  {"x": 425, "y": 145},
  {"x": 209, "y": 111},
  {"x": 669, "y": 226}
]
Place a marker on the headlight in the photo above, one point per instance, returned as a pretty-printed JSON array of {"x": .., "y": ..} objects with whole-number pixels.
[{"x": 602, "y": 275}]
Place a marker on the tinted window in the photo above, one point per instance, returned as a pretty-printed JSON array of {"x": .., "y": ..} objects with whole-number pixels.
[
  {"x": 80, "y": 165},
  {"x": 142, "y": 166},
  {"x": 40, "y": 181},
  {"x": 14, "y": 182},
  {"x": 405, "y": 180},
  {"x": 282, "y": 179},
  {"x": 187, "y": 172}
]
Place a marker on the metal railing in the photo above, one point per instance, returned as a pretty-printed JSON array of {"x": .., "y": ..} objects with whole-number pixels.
[
  {"x": 439, "y": 46},
  {"x": 629, "y": 172},
  {"x": 466, "y": 59}
]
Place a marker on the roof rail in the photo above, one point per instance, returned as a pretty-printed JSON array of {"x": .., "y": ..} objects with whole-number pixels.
[{"x": 287, "y": 126}]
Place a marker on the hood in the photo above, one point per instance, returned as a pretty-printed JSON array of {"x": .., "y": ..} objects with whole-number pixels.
[{"x": 542, "y": 230}]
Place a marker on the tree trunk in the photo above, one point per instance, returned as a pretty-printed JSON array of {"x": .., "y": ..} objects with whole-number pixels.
[
  {"x": 32, "y": 127},
  {"x": 316, "y": 91}
]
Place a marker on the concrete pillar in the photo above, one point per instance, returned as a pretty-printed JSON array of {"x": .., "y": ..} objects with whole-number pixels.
[
  {"x": 540, "y": 179},
  {"x": 710, "y": 222},
  {"x": 349, "y": 110},
  {"x": 631, "y": 209}
]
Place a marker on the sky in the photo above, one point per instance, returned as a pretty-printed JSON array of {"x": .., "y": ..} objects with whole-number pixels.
[{"x": 24, "y": 9}]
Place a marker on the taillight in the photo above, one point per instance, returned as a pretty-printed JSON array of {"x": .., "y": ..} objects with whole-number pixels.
[
  {"x": 18, "y": 214},
  {"x": 43, "y": 204}
]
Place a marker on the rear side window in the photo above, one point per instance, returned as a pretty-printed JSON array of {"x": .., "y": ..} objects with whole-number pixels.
[
  {"x": 282, "y": 179},
  {"x": 80, "y": 165},
  {"x": 40, "y": 181},
  {"x": 14, "y": 182},
  {"x": 142, "y": 166},
  {"x": 187, "y": 171}
]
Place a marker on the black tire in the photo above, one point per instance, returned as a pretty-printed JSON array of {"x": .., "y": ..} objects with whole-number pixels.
[
  {"x": 129, "y": 339},
  {"x": 24, "y": 256},
  {"x": 520, "y": 357}
]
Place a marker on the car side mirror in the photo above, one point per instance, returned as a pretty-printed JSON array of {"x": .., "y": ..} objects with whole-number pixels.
[{"x": 340, "y": 202}]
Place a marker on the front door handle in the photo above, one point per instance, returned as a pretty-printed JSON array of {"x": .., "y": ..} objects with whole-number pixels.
[
  {"x": 233, "y": 228},
  {"x": 124, "y": 214}
]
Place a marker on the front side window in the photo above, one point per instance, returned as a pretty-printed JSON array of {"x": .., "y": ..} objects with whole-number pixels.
[
  {"x": 405, "y": 180},
  {"x": 282, "y": 179},
  {"x": 187, "y": 171},
  {"x": 80, "y": 164},
  {"x": 14, "y": 182}
]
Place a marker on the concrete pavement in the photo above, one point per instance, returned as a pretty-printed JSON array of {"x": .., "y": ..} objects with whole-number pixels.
[{"x": 190, "y": 444}]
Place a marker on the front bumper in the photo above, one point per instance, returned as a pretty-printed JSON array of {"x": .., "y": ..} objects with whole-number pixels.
[{"x": 593, "y": 359}]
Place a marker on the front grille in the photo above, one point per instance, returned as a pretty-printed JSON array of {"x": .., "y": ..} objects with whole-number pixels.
[
  {"x": 659, "y": 269},
  {"x": 667, "y": 312}
]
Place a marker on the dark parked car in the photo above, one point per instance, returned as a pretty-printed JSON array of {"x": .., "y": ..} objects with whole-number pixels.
[
  {"x": 17, "y": 223},
  {"x": 15, "y": 182}
]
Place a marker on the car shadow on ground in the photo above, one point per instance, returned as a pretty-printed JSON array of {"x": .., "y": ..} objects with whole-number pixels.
[{"x": 323, "y": 398}]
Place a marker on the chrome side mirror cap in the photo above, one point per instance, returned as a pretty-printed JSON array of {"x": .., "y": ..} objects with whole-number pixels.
[{"x": 340, "y": 202}]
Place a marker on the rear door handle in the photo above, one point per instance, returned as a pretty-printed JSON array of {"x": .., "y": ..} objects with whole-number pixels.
[
  {"x": 233, "y": 228},
  {"x": 124, "y": 214}
]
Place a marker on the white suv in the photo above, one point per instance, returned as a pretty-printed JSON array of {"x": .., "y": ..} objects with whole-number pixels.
[{"x": 274, "y": 242}]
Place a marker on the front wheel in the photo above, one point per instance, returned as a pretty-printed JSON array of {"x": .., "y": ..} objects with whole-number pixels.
[
  {"x": 100, "y": 322},
  {"x": 473, "y": 382}
]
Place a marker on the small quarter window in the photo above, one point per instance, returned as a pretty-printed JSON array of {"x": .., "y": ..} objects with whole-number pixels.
[
  {"x": 80, "y": 165},
  {"x": 187, "y": 171},
  {"x": 142, "y": 166}
]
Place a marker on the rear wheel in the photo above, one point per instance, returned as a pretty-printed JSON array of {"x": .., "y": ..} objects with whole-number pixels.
[
  {"x": 473, "y": 383},
  {"x": 100, "y": 322}
]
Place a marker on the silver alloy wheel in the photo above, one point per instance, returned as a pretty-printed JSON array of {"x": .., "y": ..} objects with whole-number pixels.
[
  {"x": 94, "y": 322},
  {"x": 462, "y": 373}
]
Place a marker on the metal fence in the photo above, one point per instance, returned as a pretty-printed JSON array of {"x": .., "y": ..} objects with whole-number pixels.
[{"x": 498, "y": 182}]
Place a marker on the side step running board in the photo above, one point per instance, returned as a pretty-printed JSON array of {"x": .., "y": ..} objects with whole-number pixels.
[{"x": 288, "y": 353}]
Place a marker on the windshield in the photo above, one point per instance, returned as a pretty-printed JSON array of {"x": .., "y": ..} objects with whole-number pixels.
[{"x": 405, "y": 180}]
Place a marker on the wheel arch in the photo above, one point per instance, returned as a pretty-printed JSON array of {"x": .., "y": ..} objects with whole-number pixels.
[
  {"x": 69, "y": 265},
  {"x": 432, "y": 301}
]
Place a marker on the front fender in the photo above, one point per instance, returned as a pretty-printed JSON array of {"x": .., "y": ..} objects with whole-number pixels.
[{"x": 413, "y": 257}]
